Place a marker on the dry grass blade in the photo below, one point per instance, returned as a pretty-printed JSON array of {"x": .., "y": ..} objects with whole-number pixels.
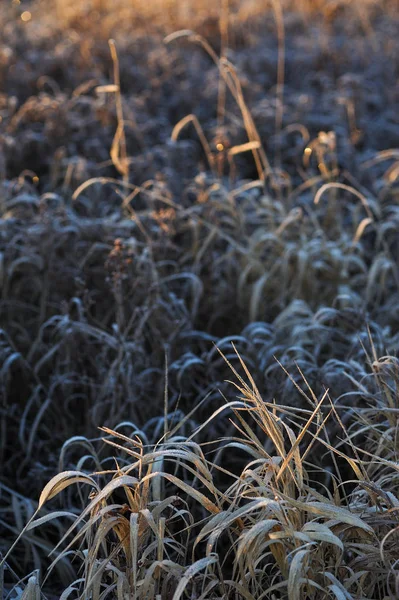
[
  {"x": 197, "y": 567},
  {"x": 297, "y": 575},
  {"x": 347, "y": 188},
  {"x": 329, "y": 511},
  {"x": 118, "y": 148},
  {"x": 194, "y": 120},
  {"x": 62, "y": 481},
  {"x": 302, "y": 434}
]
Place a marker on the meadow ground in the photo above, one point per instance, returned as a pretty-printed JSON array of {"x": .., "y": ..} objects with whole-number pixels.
[{"x": 199, "y": 252}]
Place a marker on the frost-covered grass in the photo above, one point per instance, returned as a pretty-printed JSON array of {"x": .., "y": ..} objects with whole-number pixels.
[{"x": 199, "y": 251}]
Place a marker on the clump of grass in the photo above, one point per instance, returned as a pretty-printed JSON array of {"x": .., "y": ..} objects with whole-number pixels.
[{"x": 161, "y": 525}]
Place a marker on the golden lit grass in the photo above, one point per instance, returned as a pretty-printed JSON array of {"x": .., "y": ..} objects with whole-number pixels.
[
  {"x": 158, "y": 526},
  {"x": 169, "y": 15}
]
